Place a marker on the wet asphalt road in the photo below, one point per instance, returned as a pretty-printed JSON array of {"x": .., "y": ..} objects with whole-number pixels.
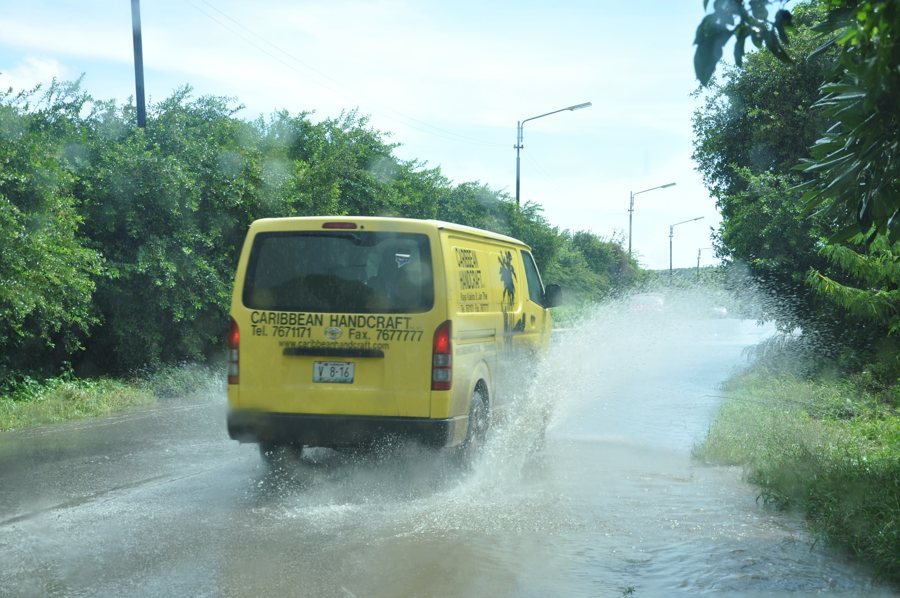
[{"x": 159, "y": 502}]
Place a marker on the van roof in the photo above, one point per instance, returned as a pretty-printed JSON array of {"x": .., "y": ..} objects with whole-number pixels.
[{"x": 316, "y": 222}]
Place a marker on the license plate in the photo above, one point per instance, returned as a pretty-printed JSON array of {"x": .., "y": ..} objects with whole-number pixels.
[{"x": 339, "y": 372}]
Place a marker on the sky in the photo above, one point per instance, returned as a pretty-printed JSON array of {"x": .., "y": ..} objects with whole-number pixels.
[{"x": 448, "y": 81}]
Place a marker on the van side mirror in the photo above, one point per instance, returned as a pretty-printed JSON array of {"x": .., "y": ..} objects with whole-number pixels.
[{"x": 552, "y": 295}]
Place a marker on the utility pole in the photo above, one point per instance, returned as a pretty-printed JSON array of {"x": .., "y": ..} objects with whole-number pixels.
[{"x": 138, "y": 63}]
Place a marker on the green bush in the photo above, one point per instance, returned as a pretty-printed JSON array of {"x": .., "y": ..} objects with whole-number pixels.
[
  {"x": 823, "y": 447},
  {"x": 58, "y": 400},
  {"x": 29, "y": 402},
  {"x": 118, "y": 244}
]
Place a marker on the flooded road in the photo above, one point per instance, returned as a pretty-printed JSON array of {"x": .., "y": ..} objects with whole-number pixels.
[{"x": 160, "y": 502}]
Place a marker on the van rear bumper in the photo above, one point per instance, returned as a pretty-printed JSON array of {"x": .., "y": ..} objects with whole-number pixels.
[{"x": 340, "y": 430}]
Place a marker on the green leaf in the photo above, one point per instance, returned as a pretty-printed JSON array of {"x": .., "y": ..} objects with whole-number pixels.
[
  {"x": 741, "y": 34},
  {"x": 774, "y": 46},
  {"x": 783, "y": 19},
  {"x": 759, "y": 9},
  {"x": 710, "y": 38}
]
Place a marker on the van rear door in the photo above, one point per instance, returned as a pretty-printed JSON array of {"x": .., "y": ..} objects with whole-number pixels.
[{"x": 337, "y": 322}]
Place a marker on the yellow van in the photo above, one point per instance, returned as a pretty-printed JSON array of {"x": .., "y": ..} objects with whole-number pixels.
[{"x": 348, "y": 330}]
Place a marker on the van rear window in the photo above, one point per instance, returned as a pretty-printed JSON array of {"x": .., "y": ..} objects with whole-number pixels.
[{"x": 340, "y": 272}]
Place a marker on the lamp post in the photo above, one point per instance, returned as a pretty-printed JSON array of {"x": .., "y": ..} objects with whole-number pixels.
[
  {"x": 519, "y": 145},
  {"x": 698, "y": 258},
  {"x": 631, "y": 208},
  {"x": 672, "y": 234}
]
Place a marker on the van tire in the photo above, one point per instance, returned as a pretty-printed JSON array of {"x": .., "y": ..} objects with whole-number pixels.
[
  {"x": 276, "y": 455},
  {"x": 479, "y": 424}
]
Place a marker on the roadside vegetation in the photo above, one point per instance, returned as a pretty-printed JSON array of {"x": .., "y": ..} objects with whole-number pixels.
[
  {"x": 118, "y": 244},
  {"x": 798, "y": 144},
  {"x": 29, "y": 402},
  {"x": 820, "y": 442},
  {"x": 60, "y": 399}
]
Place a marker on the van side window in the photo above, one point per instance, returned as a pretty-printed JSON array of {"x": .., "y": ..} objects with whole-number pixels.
[{"x": 533, "y": 279}]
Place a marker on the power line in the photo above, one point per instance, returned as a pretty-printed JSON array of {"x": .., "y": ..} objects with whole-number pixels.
[{"x": 290, "y": 61}]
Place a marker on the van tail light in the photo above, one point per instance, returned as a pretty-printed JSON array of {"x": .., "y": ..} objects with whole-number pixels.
[
  {"x": 442, "y": 358},
  {"x": 234, "y": 340}
]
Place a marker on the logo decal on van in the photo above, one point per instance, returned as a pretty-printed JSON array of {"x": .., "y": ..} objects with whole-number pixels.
[
  {"x": 508, "y": 276},
  {"x": 333, "y": 333},
  {"x": 508, "y": 301}
]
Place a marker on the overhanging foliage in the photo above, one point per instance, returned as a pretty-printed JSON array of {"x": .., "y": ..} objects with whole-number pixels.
[{"x": 856, "y": 162}]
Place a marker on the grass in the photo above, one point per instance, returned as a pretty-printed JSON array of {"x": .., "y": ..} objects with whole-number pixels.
[
  {"x": 830, "y": 448},
  {"x": 58, "y": 400},
  {"x": 31, "y": 403}
]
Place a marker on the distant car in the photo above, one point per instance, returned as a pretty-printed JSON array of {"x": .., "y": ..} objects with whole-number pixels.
[
  {"x": 647, "y": 302},
  {"x": 718, "y": 312}
]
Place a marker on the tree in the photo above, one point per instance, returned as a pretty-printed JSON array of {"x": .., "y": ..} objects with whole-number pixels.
[
  {"x": 871, "y": 291},
  {"x": 418, "y": 192},
  {"x": 591, "y": 268},
  {"x": 856, "y": 162},
  {"x": 528, "y": 224},
  {"x": 125, "y": 240},
  {"x": 573, "y": 273},
  {"x": 46, "y": 271},
  {"x": 350, "y": 167},
  {"x": 752, "y": 130},
  {"x": 608, "y": 259},
  {"x": 167, "y": 206},
  {"x": 473, "y": 204}
]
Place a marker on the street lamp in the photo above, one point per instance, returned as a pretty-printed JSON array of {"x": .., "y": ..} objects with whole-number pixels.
[
  {"x": 519, "y": 145},
  {"x": 698, "y": 257},
  {"x": 631, "y": 208},
  {"x": 672, "y": 234}
]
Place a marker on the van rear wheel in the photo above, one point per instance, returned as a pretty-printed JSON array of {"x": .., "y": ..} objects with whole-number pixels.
[
  {"x": 274, "y": 454},
  {"x": 479, "y": 422}
]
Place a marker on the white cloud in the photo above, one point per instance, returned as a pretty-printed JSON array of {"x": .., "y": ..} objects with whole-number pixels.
[
  {"x": 31, "y": 72},
  {"x": 75, "y": 36}
]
